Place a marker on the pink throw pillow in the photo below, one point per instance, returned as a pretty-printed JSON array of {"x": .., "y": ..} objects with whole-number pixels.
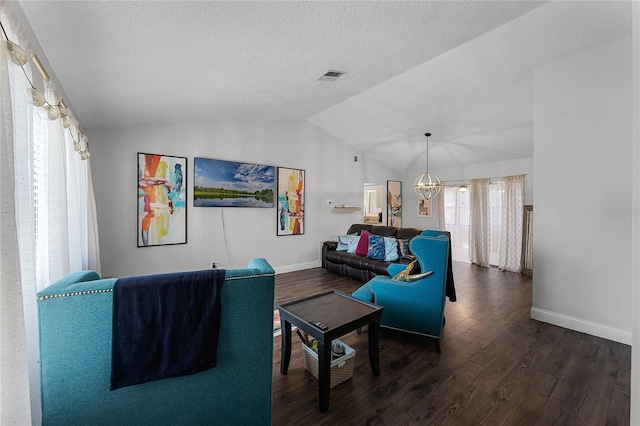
[{"x": 363, "y": 244}]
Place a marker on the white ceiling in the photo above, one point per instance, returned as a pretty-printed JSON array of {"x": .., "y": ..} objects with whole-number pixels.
[{"x": 460, "y": 70}]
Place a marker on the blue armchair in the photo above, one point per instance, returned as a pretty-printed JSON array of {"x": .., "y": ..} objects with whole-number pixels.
[{"x": 415, "y": 306}]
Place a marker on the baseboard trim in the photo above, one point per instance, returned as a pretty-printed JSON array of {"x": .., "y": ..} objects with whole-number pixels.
[
  {"x": 581, "y": 325},
  {"x": 297, "y": 267}
]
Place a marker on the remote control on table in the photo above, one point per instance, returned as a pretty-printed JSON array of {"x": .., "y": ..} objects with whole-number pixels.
[{"x": 318, "y": 324}]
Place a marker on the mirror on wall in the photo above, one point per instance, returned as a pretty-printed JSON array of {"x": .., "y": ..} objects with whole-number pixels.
[{"x": 372, "y": 202}]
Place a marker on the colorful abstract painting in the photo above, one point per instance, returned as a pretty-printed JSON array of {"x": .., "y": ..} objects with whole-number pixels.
[
  {"x": 220, "y": 183},
  {"x": 290, "y": 201},
  {"x": 394, "y": 203},
  {"x": 162, "y": 200}
]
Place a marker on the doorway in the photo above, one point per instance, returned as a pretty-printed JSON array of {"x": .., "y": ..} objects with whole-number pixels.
[{"x": 373, "y": 202}]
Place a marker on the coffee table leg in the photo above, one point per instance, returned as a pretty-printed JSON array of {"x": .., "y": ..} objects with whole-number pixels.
[
  {"x": 285, "y": 355},
  {"x": 374, "y": 357},
  {"x": 324, "y": 375}
]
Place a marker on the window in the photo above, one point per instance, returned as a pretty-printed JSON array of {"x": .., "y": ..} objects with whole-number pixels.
[{"x": 457, "y": 214}]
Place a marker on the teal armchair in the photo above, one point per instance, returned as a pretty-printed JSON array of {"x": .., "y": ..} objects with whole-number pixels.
[{"x": 416, "y": 306}]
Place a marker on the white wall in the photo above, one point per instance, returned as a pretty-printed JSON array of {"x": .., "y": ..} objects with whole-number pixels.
[
  {"x": 330, "y": 174},
  {"x": 464, "y": 173},
  {"x": 635, "y": 354},
  {"x": 583, "y": 192}
]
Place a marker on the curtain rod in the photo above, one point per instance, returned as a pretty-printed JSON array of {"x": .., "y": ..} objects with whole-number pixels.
[
  {"x": 493, "y": 177},
  {"x": 38, "y": 64},
  {"x": 45, "y": 74}
]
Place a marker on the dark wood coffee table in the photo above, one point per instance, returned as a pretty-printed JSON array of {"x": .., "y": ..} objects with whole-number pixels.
[{"x": 341, "y": 313}]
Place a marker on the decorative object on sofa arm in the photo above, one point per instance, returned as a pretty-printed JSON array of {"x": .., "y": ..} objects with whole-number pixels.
[{"x": 406, "y": 275}]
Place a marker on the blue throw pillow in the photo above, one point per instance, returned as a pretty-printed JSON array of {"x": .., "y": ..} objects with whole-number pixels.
[
  {"x": 343, "y": 242},
  {"x": 390, "y": 249},
  {"x": 352, "y": 245},
  {"x": 376, "y": 247},
  {"x": 403, "y": 248}
]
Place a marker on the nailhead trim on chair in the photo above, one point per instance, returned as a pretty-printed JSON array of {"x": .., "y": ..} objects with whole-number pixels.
[
  {"x": 244, "y": 277},
  {"x": 77, "y": 293}
]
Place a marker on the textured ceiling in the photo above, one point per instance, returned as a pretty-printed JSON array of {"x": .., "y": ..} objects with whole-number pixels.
[
  {"x": 462, "y": 70},
  {"x": 476, "y": 99}
]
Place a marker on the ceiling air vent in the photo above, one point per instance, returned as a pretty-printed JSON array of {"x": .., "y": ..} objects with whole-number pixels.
[{"x": 331, "y": 75}]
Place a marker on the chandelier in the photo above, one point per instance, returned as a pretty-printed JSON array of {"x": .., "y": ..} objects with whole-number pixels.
[{"x": 427, "y": 185}]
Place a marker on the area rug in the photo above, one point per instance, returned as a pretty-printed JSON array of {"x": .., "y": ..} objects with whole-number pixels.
[
  {"x": 277, "y": 330},
  {"x": 276, "y": 323}
]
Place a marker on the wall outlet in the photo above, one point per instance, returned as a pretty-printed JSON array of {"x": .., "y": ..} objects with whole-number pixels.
[{"x": 213, "y": 264}]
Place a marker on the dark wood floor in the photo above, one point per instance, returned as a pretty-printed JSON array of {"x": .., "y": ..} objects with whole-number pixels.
[{"x": 497, "y": 367}]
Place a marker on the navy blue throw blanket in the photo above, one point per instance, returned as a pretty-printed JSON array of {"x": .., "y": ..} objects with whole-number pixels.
[{"x": 164, "y": 325}]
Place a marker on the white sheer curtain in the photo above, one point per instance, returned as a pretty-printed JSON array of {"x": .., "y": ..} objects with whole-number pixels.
[
  {"x": 511, "y": 226},
  {"x": 47, "y": 223},
  {"x": 15, "y": 400},
  {"x": 479, "y": 222}
]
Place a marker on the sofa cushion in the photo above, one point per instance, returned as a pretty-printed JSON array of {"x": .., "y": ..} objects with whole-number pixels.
[
  {"x": 407, "y": 233},
  {"x": 356, "y": 262},
  {"x": 363, "y": 245},
  {"x": 357, "y": 228},
  {"x": 385, "y": 231},
  {"x": 376, "y": 247},
  {"x": 378, "y": 267}
]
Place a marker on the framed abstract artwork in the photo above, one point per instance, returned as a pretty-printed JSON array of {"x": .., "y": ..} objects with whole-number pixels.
[
  {"x": 424, "y": 207},
  {"x": 394, "y": 203},
  {"x": 290, "y": 219},
  {"x": 221, "y": 183},
  {"x": 162, "y": 200}
]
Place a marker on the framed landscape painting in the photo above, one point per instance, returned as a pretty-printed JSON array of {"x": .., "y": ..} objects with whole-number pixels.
[
  {"x": 394, "y": 203},
  {"x": 220, "y": 183},
  {"x": 162, "y": 200},
  {"x": 290, "y": 201}
]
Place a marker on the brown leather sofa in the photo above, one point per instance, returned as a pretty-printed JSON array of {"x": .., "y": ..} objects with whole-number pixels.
[{"x": 359, "y": 267}]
